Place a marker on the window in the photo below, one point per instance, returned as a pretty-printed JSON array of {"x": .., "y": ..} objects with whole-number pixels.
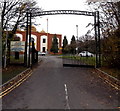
[
  {"x": 43, "y": 49},
  {"x": 44, "y": 40}
]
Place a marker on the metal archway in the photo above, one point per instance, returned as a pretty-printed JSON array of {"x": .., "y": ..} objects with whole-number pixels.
[
  {"x": 72, "y": 12},
  {"x": 59, "y": 12}
]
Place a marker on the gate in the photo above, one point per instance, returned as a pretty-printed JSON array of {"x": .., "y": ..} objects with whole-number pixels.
[{"x": 73, "y": 59}]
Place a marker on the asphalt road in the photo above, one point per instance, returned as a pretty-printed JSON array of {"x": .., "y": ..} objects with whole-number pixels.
[{"x": 53, "y": 86}]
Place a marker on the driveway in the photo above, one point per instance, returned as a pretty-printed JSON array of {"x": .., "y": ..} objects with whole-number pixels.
[{"x": 53, "y": 86}]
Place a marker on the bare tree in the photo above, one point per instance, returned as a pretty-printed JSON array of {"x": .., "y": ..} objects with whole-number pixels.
[
  {"x": 14, "y": 12},
  {"x": 13, "y": 15},
  {"x": 109, "y": 15},
  {"x": 110, "y": 28},
  {"x": 87, "y": 42}
]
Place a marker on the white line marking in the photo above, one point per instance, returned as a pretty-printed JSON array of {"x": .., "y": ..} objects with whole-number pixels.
[{"x": 66, "y": 97}]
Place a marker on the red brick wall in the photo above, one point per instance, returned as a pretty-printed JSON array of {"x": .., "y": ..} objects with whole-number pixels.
[{"x": 38, "y": 34}]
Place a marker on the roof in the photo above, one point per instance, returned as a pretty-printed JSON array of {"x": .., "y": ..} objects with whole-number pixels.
[{"x": 42, "y": 31}]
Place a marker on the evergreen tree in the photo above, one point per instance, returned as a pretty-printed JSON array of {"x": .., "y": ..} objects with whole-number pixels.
[
  {"x": 54, "y": 47},
  {"x": 65, "y": 43},
  {"x": 73, "y": 45},
  {"x": 73, "y": 40}
]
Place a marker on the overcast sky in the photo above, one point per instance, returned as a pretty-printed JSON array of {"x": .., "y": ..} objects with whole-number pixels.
[{"x": 64, "y": 24}]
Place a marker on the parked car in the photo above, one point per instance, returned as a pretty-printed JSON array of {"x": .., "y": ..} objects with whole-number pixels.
[
  {"x": 86, "y": 54},
  {"x": 41, "y": 53}
]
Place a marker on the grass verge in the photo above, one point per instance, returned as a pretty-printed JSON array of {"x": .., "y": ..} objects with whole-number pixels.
[
  {"x": 11, "y": 71},
  {"x": 111, "y": 71}
]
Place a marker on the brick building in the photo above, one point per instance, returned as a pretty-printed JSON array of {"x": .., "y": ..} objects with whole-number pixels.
[{"x": 42, "y": 40}]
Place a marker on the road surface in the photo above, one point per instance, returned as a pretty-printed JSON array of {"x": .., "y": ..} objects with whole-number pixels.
[{"x": 53, "y": 86}]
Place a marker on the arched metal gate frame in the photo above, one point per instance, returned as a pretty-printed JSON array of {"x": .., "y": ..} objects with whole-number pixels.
[{"x": 70, "y": 12}]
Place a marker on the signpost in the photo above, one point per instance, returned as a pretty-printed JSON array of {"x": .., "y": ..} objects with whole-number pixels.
[
  {"x": 17, "y": 50},
  {"x": 18, "y": 46}
]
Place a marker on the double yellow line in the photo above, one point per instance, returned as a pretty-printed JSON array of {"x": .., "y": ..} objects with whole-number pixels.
[{"x": 15, "y": 85}]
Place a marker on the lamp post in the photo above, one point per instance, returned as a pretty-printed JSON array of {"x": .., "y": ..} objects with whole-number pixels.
[
  {"x": 77, "y": 32},
  {"x": 77, "y": 39}
]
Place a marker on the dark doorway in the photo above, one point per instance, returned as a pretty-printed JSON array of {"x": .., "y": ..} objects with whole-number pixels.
[{"x": 43, "y": 49}]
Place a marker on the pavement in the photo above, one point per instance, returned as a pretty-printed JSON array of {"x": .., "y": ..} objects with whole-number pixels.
[{"x": 53, "y": 86}]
